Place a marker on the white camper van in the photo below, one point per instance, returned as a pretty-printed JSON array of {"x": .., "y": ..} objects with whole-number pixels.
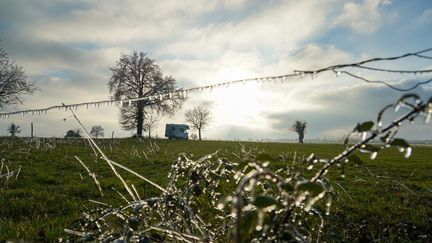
[{"x": 176, "y": 131}]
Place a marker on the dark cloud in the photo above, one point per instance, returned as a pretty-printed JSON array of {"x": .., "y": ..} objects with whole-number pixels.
[{"x": 343, "y": 108}]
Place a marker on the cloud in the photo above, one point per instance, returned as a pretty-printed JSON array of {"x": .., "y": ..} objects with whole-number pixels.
[
  {"x": 366, "y": 17},
  {"x": 229, "y": 66},
  {"x": 277, "y": 28},
  {"x": 310, "y": 57},
  {"x": 109, "y": 22},
  {"x": 425, "y": 17}
]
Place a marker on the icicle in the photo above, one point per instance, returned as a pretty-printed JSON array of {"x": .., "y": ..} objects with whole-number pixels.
[
  {"x": 428, "y": 118},
  {"x": 428, "y": 113},
  {"x": 160, "y": 97},
  {"x": 86, "y": 106},
  {"x": 397, "y": 107},
  {"x": 313, "y": 75},
  {"x": 170, "y": 95},
  {"x": 338, "y": 73},
  {"x": 129, "y": 102}
]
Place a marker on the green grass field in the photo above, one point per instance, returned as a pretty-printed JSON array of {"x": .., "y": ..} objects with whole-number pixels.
[{"x": 386, "y": 199}]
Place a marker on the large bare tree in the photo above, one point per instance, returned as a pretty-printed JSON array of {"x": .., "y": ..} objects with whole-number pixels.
[
  {"x": 136, "y": 76},
  {"x": 198, "y": 117},
  {"x": 13, "y": 82},
  {"x": 300, "y": 128}
]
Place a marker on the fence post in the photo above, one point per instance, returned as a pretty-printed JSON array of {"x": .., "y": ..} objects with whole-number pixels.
[{"x": 31, "y": 130}]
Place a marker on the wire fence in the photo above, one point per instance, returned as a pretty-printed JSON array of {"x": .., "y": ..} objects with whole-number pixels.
[{"x": 340, "y": 69}]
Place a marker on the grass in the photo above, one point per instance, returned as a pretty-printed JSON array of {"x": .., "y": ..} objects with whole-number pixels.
[{"x": 386, "y": 199}]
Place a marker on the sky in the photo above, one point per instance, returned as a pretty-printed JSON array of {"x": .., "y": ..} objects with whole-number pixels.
[{"x": 67, "y": 47}]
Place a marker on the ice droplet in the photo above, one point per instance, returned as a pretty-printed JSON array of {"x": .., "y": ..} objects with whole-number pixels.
[
  {"x": 397, "y": 107},
  {"x": 373, "y": 155},
  {"x": 408, "y": 152}
]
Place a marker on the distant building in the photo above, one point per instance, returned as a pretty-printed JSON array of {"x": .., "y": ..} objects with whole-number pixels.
[
  {"x": 72, "y": 134},
  {"x": 176, "y": 131}
]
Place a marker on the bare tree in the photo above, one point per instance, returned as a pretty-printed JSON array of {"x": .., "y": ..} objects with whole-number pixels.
[
  {"x": 193, "y": 136},
  {"x": 300, "y": 128},
  {"x": 137, "y": 76},
  {"x": 97, "y": 131},
  {"x": 198, "y": 117},
  {"x": 150, "y": 122},
  {"x": 13, "y": 129},
  {"x": 13, "y": 82}
]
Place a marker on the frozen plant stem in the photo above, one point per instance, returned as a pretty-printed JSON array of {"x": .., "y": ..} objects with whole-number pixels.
[
  {"x": 372, "y": 136},
  {"x": 91, "y": 174},
  {"x": 111, "y": 163}
]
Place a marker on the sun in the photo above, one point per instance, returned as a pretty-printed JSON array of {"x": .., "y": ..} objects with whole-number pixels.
[{"x": 239, "y": 104}]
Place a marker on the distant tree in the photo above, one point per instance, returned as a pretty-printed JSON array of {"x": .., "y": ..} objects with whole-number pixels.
[
  {"x": 13, "y": 82},
  {"x": 150, "y": 122},
  {"x": 300, "y": 128},
  {"x": 13, "y": 129},
  {"x": 193, "y": 136},
  {"x": 198, "y": 117},
  {"x": 97, "y": 131},
  {"x": 136, "y": 76}
]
